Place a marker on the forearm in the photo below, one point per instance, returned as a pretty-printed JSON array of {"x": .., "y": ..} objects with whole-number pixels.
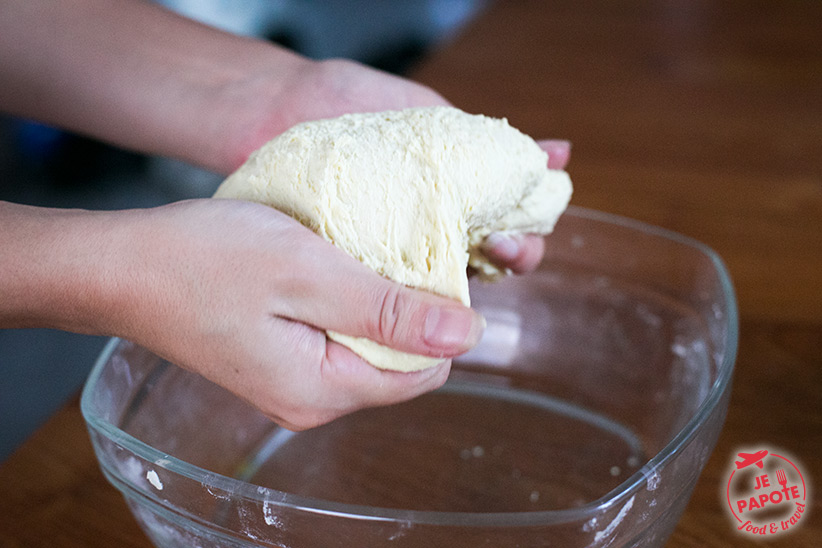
[
  {"x": 137, "y": 75},
  {"x": 133, "y": 74},
  {"x": 56, "y": 268}
]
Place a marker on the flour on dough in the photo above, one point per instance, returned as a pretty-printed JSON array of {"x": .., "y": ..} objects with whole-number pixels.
[{"x": 409, "y": 193}]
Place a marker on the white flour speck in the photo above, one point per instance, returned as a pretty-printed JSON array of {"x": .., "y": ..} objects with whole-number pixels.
[
  {"x": 616, "y": 521},
  {"x": 154, "y": 480},
  {"x": 652, "y": 481},
  {"x": 269, "y": 515},
  {"x": 402, "y": 531}
]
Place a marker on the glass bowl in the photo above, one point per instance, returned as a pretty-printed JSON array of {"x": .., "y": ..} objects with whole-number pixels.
[{"x": 583, "y": 418}]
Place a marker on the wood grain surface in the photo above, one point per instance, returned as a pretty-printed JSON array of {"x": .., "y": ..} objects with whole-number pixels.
[{"x": 704, "y": 117}]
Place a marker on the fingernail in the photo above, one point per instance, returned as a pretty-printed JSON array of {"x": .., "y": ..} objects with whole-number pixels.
[
  {"x": 557, "y": 143},
  {"x": 503, "y": 246},
  {"x": 453, "y": 328},
  {"x": 559, "y": 152}
]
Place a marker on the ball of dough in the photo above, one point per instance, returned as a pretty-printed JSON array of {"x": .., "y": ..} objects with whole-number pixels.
[{"x": 409, "y": 193}]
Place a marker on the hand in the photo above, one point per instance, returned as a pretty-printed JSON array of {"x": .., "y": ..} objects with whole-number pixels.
[
  {"x": 242, "y": 294},
  {"x": 267, "y": 101}
]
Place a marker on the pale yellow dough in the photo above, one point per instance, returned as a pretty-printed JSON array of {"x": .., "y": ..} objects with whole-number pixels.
[{"x": 410, "y": 193}]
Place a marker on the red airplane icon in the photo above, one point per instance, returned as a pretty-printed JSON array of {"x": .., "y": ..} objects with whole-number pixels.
[{"x": 751, "y": 458}]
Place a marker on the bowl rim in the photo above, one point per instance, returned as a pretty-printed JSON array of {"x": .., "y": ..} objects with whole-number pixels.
[{"x": 619, "y": 495}]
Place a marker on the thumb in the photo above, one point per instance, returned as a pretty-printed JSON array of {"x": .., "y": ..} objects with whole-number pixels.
[
  {"x": 416, "y": 322},
  {"x": 333, "y": 291}
]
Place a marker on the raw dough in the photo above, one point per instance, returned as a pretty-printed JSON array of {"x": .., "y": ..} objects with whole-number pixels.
[{"x": 410, "y": 193}]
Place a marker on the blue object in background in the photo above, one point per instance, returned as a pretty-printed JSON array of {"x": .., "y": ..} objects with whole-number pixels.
[{"x": 37, "y": 142}]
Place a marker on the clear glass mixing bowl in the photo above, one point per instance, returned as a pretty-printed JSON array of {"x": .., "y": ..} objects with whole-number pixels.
[{"x": 582, "y": 419}]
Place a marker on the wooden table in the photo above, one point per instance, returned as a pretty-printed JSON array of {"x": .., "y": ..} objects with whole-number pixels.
[{"x": 704, "y": 117}]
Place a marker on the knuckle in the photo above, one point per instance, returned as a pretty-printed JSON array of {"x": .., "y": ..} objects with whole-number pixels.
[{"x": 387, "y": 325}]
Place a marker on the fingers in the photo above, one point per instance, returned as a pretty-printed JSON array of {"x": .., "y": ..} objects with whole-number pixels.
[
  {"x": 520, "y": 252},
  {"x": 324, "y": 380},
  {"x": 559, "y": 152},
  {"x": 332, "y": 291}
]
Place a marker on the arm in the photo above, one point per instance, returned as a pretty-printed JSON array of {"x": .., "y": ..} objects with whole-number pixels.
[
  {"x": 134, "y": 74},
  {"x": 233, "y": 291}
]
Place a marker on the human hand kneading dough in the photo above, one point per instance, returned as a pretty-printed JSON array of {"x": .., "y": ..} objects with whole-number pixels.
[{"x": 235, "y": 291}]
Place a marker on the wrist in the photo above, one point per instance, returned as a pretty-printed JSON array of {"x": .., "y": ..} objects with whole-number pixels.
[
  {"x": 283, "y": 89},
  {"x": 58, "y": 268},
  {"x": 249, "y": 108}
]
